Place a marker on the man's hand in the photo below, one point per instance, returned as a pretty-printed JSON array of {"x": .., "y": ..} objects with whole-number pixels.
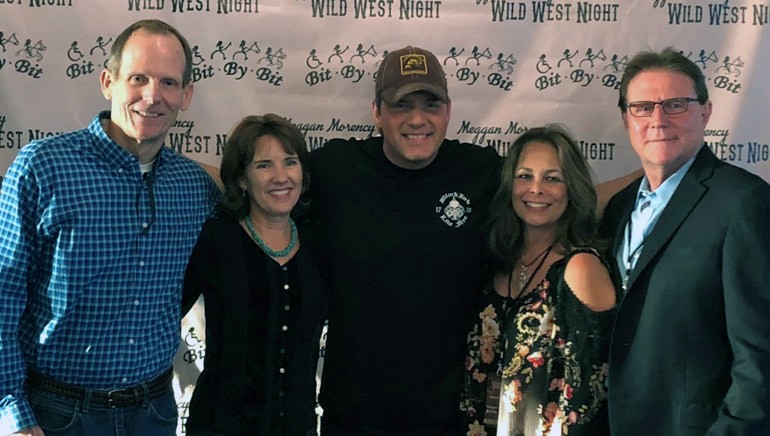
[{"x": 30, "y": 431}]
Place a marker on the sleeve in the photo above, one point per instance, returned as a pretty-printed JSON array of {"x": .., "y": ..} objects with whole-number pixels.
[
  {"x": 18, "y": 256},
  {"x": 215, "y": 197},
  {"x": 582, "y": 345},
  {"x": 310, "y": 222},
  {"x": 199, "y": 268},
  {"x": 745, "y": 275},
  {"x": 483, "y": 360}
]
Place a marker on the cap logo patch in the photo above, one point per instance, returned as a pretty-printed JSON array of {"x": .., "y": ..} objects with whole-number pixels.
[{"x": 413, "y": 64}]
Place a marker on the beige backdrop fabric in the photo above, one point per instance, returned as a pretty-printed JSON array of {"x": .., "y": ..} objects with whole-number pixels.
[{"x": 510, "y": 66}]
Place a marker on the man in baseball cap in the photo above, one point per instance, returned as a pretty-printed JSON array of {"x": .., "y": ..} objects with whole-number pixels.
[
  {"x": 411, "y": 107},
  {"x": 408, "y": 70},
  {"x": 399, "y": 233}
]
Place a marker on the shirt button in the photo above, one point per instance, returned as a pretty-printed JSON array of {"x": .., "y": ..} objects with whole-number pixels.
[
  {"x": 131, "y": 341},
  {"x": 286, "y": 307},
  {"x": 286, "y": 287},
  {"x": 144, "y": 225},
  {"x": 284, "y": 328},
  {"x": 120, "y": 170},
  {"x": 136, "y": 302},
  {"x": 280, "y": 393},
  {"x": 124, "y": 379},
  {"x": 282, "y": 370},
  {"x": 141, "y": 263},
  {"x": 284, "y": 268},
  {"x": 283, "y": 350}
]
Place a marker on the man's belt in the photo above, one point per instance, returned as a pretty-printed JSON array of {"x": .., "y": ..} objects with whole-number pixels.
[{"x": 125, "y": 397}]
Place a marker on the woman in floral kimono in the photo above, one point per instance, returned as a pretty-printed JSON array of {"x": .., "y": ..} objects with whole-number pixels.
[{"x": 537, "y": 356}]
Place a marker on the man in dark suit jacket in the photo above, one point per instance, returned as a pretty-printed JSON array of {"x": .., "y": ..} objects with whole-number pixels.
[{"x": 690, "y": 352}]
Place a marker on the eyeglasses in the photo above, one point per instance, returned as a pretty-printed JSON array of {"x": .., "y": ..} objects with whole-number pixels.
[{"x": 672, "y": 106}]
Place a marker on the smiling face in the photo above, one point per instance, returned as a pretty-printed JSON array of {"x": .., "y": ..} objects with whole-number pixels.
[
  {"x": 665, "y": 142},
  {"x": 539, "y": 191},
  {"x": 273, "y": 180},
  {"x": 413, "y": 128},
  {"x": 147, "y": 92}
]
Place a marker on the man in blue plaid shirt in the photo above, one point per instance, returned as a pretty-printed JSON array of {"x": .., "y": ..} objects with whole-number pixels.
[{"x": 96, "y": 228}]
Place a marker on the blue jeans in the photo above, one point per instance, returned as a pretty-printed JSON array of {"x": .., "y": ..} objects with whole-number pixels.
[{"x": 59, "y": 416}]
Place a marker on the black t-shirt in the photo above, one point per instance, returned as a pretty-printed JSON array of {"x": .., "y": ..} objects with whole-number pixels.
[{"x": 403, "y": 252}]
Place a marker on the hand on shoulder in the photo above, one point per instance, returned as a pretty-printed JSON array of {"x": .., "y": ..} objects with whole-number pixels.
[
  {"x": 590, "y": 281},
  {"x": 606, "y": 190},
  {"x": 214, "y": 173},
  {"x": 29, "y": 431}
]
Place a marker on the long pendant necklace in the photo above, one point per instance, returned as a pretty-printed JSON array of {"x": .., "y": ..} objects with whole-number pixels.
[
  {"x": 524, "y": 277},
  {"x": 261, "y": 243}
]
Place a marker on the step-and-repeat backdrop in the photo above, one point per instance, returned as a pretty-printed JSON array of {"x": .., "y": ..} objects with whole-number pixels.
[{"x": 510, "y": 65}]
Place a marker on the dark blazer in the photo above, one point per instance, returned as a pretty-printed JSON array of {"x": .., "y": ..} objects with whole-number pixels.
[
  {"x": 690, "y": 348},
  {"x": 217, "y": 269}
]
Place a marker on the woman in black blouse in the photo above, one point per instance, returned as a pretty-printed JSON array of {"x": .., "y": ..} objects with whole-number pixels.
[
  {"x": 537, "y": 357},
  {"x": 262, "y": 292}
]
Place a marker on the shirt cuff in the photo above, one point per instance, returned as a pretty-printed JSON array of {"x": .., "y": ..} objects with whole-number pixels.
[{"x": 15, "y": 415}]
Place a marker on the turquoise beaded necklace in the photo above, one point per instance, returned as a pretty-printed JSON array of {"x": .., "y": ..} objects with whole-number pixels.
[{"x": 261, "y": 243}]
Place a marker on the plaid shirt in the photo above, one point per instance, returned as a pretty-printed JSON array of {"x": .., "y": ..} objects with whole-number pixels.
[{"x": 92, "y": 258}]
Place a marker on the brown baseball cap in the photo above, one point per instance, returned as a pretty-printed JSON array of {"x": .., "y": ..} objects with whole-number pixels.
[{"x": 407, "y": 70}]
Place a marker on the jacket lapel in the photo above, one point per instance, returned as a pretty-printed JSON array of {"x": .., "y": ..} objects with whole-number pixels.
[
  {"x": 627, "y": 198},
  {"x": 685, "y": 198}
]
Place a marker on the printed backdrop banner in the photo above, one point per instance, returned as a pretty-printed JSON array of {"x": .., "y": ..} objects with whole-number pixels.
[{"x": 510, "y": 66}]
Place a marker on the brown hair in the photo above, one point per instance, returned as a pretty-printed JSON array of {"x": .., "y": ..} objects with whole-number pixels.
[
  {"x": 577, "y": 226},
  {"x": 154, "y": 27},
  {"x": 668, "y": 59},
  {"x": 239, "y": 151}
]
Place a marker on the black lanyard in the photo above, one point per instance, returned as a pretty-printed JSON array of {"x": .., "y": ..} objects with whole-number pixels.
[{"x": 631, "y": 254}]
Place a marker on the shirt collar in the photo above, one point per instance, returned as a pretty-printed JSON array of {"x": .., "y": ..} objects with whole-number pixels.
[
  {"x": 662, "y": 195},
  {"x": 111, "y": 150}
]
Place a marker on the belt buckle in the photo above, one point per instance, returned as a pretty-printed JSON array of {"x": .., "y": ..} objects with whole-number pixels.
[{"x": 111, "y": 400}]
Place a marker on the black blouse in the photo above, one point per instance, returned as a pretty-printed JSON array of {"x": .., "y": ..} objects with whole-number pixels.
[{"x": 263, "y": 324}]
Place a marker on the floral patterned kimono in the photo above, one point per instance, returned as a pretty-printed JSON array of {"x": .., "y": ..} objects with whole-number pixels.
[{"x": 536, "y": 365}]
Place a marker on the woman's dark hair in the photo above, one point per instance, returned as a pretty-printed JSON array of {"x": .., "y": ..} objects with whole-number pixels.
[
  {"x": 239, "y": 151},
  {"x": 577, "y": 226}
]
